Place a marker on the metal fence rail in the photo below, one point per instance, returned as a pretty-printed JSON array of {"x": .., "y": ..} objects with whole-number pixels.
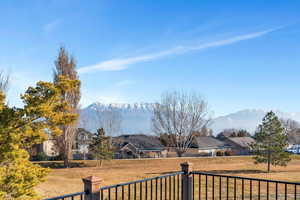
[
  {"x": 73, "y": 196},
  {"x": 156, "y": 188},
  {"x": 207, "y": 186}
]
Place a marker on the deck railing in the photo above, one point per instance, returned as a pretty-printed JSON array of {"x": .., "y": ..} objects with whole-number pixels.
[{"x": 189, "y": 185}]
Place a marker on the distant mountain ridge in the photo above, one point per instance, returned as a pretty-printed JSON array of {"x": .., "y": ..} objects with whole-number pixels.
[
  {"x": 136, "y": 118},
  {"x": 247, "y": 119}
]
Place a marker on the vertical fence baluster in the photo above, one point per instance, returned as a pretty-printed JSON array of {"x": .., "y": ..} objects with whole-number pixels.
[
  {"x": 295, "y": 192},
  {"x": 220, "y": 187},
  {"x": 116, "y": 193},
  {"x": 250, "y": 189},
  {"x": 227, "y": 188},
  {"x": 151, "y": 189},
  {"x": 234, "y": 189},
  {"x": 174, "y": 188},
  {"x": 161, "y": 189},
  {"x": 285, "y": 191},
  {"x": 181, "y": 188},
  {"x": 156, "y": 189},
  {"x": 206, "y": 186},
  {"x": 170, "y": 188},
  {"x": 193, "y": 186},
  {"x": 178, "y": 192},
  {"x": 141, "y": 190},
  {"x": 213, "y": 187},
  {"x": 199, "y": 186},
  {"x": 166, "y": 189},
  {"x": 276, "y": 192},
  {"x": 108, "y": 193},
  {"x": 146, "y": 190},
  {"x": 122, "y": 192},
  {"x": 243, "y": 187},
  {"x": 101, "y": 195},
  {"x": 258, "y": 190},
  {"x": 129, "y": 192},
  {"x": 134, "y": 187},
  {"x": 267, "y": 190}
]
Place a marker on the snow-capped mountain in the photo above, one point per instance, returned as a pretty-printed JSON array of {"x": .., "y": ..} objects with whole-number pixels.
[
  {"x": 136, "y": 118},
  {"x": 247, "y": 119}
]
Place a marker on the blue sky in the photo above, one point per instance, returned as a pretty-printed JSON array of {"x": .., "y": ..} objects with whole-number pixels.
[{"x": 237, "y": 54}]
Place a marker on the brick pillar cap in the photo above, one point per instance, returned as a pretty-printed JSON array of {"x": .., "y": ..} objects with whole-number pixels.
[
  {"x": 186, "y": 167},
  {"x": 186, "y": 164},
  {"x": 92, "y": 179}
]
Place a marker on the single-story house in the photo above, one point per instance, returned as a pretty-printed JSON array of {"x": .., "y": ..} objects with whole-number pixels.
[
  {"x": 138, "y": 146},
  {"x": 239, "y": 145},
  {"x": 203, "y": 146}
]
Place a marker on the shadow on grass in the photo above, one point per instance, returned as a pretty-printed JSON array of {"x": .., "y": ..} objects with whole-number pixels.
[{"x": 60, "y": 165}]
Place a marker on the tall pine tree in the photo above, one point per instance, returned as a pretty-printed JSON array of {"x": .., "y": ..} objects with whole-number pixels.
[
  {"x": 271, "y": 142},
  {"x": 100, "y": 147},
  {"x": 66, "y": 66}
]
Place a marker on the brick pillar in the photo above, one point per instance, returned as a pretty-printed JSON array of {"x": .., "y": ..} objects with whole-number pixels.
[
  {"x": 92, "y": 188},
  {"x": 187, "y": 180}
]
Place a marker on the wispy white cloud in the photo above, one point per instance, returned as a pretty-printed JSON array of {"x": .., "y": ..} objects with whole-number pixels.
[
  {"x": 124, "y": 83},
  {"x": 123, "y": 63},
  {"x": 51, "y": 26}
]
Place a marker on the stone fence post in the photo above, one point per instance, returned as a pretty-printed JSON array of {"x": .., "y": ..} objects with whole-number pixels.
[
  {"x": 92, "y": 187},
  {"x": 187, "y": 180}
]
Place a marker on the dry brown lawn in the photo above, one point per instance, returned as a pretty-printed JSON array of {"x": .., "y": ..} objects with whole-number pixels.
[{"x": 63, "y": 181}]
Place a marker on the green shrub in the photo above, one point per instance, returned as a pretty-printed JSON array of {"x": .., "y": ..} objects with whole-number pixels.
[
  {"x": 41, "y": 156},
  {"x": 228, "y": 153}
]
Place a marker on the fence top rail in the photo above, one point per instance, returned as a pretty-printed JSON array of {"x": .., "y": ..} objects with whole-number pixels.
[
  {"x": 141, "y": 181},
  {"x": 66, "y": 196},
  {"x": 245, "y": 178}
]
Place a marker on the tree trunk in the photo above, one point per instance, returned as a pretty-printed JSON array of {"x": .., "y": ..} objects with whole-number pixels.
[
  {"x": 67, "y": 156},
  {"x": 269, "y": 161},
  {"x": 66, "y": 162},
  {"x": 179, "y": 153}
]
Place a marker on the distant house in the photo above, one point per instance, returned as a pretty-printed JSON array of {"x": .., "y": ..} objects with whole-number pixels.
[
  {"x": 138, "y": 146},
  {"x": 203, "y": 146},
  {"x": 239, "y": 145},
  {"x": 208, "y": 145},
  {"x": 47, "y": 148}
]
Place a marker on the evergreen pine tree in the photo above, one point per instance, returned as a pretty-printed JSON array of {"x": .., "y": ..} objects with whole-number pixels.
[
  {"x": 271, "y": 142},
  {"x": 20, "y": 128},
  {"x": 100, "y": 147}
]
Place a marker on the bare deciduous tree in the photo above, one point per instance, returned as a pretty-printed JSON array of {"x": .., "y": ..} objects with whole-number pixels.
[
  {"x": 4, "y": 81},
  {"x": 66, "y": 66},
  {"x": 110, "y": 120},
  {"x": 292, "y": 130},
  {"x": 180, "y": 115}
]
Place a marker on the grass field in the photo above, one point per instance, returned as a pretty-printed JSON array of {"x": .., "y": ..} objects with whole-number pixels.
[{"x": 63, "y": 181}]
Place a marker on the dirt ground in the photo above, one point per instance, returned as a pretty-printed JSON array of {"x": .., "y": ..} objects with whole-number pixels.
[{"x": 64, "y": 181}]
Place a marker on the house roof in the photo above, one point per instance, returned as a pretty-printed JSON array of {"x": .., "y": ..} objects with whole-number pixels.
[
  {"x": 208, "y": 142},
  {"x": 140, "y": 141},
  {"x": 242, "y": 141}
]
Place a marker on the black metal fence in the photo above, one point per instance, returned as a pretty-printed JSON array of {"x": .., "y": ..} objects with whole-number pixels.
[
  {"x": 73, "y": 196},
  {"x": 156, "y": 188},
  {"x": 207, "y": 186},
  {"x": 193, "y": 185}
]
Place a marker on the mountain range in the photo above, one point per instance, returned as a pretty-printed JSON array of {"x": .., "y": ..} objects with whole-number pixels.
[{"x": 136, "y": 118}]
